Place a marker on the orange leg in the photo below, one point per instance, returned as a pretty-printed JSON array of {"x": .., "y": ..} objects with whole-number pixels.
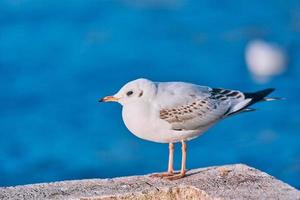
[
  {"x": 171, "y": 158},
  {"x": 170, "y": 171},
  {"x": 183, "y": 165}
]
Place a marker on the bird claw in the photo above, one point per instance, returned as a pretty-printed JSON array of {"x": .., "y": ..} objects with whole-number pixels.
[
  {"x": 162, "y": 175},
  {"x": 169, "y": 175},
  {"x": 175, "y": 176}
]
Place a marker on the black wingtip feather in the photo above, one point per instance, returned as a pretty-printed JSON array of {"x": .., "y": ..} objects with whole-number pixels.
[
  {"x": 255, "y": 97},
  {"x": 258, "y": 96}
]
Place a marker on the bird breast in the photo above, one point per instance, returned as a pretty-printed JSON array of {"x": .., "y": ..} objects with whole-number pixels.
[{"x": 142, "y": 121}]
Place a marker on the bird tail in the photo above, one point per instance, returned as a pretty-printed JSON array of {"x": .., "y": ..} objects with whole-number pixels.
[
  {"x": 259, "y": 96},
  {"x": 252, "y": 98}
]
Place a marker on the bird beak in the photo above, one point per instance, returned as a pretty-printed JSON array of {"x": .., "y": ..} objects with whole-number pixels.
[{"x": 108, "y": 99}]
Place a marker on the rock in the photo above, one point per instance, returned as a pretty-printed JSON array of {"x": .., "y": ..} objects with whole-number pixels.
[{"x": 225, "y": 182}]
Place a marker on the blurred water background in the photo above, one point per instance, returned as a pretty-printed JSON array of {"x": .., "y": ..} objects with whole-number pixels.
[{"x": 57, "y": 58}]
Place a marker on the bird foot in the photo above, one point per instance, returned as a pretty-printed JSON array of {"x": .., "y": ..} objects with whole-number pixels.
[
  {"x": 162, "y": 175},
  {"x": 175, "y": 176},
  {"x": 169, "y": 175}
]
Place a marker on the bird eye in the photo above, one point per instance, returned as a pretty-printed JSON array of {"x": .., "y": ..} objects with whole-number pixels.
[
  {"x": 141, "y": 94},
  {"x": 129, "y": 93}
]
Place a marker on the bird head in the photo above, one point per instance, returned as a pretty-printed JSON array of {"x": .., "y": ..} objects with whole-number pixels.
[{"x": 134, "y": 91}]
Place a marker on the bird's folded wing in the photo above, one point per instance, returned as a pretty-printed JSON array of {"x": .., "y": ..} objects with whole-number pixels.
[
  {"x": 190, "y": 107},
  {"x": 200, "y": 112}
]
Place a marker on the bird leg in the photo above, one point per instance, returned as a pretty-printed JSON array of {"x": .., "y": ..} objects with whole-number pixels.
[
  {"x": 171, "y": 158},
  {"x": 183, "y": 164},
  {"x": 170, "y": 171}
]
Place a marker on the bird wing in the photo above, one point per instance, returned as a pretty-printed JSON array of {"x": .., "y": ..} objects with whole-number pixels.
[{"x": 190, "y": 107}]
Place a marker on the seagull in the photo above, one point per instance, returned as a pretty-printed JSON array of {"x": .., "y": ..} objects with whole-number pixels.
[{"x": 171, "y": 112}]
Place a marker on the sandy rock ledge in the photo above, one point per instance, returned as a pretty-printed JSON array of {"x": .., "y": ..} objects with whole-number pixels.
[{"x": 212, "y": 183}]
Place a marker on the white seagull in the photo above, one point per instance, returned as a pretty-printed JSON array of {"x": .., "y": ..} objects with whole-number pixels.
[{"x": 170, "y": 112}]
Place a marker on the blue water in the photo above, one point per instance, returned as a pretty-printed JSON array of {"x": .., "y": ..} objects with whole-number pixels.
[{"x": 57, "y": 58}]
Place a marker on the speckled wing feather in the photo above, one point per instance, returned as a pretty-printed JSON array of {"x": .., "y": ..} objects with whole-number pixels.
[{"x": 199, "y": 107}]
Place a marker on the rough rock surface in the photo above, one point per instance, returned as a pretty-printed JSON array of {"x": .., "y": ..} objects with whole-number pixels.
[{"x": 225, "y": 182}]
